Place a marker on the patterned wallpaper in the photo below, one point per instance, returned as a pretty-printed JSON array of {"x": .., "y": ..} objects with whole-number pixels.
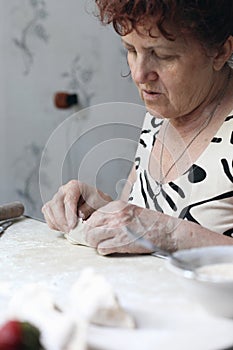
[
  {"x": 33, "y": 27},
  {"x": 49, "y": 46}
]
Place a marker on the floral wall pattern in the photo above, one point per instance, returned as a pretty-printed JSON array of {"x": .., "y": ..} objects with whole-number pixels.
[
  {"x": 51, "y": 46},
  {"x": 33, "y": 27}
]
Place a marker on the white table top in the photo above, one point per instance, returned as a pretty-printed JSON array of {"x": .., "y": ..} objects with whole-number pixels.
[{"x": 166, "y": 316}]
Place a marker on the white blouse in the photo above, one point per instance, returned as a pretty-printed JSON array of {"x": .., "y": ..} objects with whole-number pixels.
[{"x": 203, "y": 194}]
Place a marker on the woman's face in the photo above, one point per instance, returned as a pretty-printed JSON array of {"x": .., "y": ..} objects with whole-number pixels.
[{"x": 173, "y": 77}]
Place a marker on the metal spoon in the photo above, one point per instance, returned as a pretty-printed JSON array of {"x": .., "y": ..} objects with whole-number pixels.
[{"x": 160, "y": 253}]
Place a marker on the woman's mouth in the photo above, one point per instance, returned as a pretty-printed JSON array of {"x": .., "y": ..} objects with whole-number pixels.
[{"x": 150, "y": 94}]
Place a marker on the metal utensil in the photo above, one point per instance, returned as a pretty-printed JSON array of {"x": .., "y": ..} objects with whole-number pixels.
[
  {"x": 4, "y": 226},
  {"x": 160, "y": 253}
]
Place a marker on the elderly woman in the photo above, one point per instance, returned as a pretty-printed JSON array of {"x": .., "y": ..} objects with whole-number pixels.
[{"x": 180, "y": 190}]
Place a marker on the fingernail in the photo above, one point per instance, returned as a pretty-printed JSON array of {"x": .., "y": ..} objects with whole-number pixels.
[{"x": 81, "y": 215}]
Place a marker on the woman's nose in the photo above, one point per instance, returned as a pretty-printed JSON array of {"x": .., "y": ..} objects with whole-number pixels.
[{"x": 143, "y": 72}]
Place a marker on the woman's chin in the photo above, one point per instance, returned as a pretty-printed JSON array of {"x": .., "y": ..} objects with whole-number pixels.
[{"x": 155, "y": 112}]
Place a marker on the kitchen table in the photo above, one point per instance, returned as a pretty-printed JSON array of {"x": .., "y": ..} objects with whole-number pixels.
[{"x": 167, "y": 318}]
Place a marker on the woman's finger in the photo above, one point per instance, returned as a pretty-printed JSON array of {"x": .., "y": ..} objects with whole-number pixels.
[
  {"x": 72, "y": 198},
  {"x": 57, "y": 212},
  {"x": 50, "y": 224},
  {"x": 70, "y": 209},
  {"x": 111, "y": 246},
  {"x": 49, "y": 217},
  {"x": 122, "y": 244},
  {"x": 94, "y": 236},
  {"x": 107, "y": 247}
]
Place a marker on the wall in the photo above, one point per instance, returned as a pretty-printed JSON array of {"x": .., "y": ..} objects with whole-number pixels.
[{"x": 50, "y": 46}]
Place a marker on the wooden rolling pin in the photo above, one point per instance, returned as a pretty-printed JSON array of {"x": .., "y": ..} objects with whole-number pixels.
[{"x": 11, "y": 210}]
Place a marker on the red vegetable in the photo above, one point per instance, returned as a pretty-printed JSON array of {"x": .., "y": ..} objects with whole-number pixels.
[{"x": 16, "y": 335}]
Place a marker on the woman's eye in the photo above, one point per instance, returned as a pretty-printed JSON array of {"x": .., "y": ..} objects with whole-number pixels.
[
  {"x": 131, "y": 50},
  {"x": 163, "y": 57}
]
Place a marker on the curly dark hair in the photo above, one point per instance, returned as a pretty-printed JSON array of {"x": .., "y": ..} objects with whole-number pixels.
[{"x": 209, "y": 21}]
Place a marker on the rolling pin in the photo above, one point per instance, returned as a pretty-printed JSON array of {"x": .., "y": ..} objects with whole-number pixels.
[{"x": 11, "y": 210}]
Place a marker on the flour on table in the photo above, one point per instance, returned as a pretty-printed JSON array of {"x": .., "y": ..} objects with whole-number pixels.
[{"x": 76, "y": 236}]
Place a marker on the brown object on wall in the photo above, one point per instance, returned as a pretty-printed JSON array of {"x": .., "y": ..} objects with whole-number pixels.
[
  {"x": 11, "y": 210},
  {"x": 65, "y": 100}
]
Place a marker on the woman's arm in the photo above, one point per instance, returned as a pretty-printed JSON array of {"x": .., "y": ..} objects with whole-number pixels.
[
  {"x": 190, "y": 235},
  {"x": 106, "y": 230}
]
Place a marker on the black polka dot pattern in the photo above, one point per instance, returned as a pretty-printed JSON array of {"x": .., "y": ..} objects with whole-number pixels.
[{"x": 204, "y": 194}]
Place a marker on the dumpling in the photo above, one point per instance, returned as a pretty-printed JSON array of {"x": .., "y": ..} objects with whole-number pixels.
[
  {"x": 76, "y": 236},
  {"x": 93, "y": 298}
]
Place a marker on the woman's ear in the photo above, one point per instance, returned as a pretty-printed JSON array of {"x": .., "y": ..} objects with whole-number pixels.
[{"x": 223, "y": 54}]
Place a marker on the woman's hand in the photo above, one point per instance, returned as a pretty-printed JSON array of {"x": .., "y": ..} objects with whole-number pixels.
[
  {"x": 74, "y": 199},
  {"x": 106, "y": 229}
]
